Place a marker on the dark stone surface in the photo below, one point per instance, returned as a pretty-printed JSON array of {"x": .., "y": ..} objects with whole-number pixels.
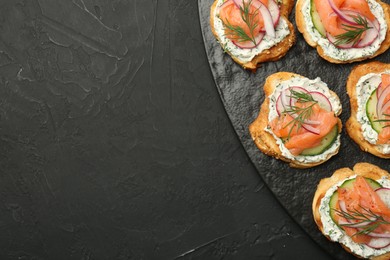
[
  {"x": 114, "y": 142},
  {"x": 241, "y": 93}
]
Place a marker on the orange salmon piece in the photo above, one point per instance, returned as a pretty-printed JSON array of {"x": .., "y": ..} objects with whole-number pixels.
[
  {"x": 349, "y": 198},
  {"x": 231, "y": 14},
  {"x": 299, "y": 138},
  {"x": 362, "y": 198},
  {"x": 332, "y": 23}
]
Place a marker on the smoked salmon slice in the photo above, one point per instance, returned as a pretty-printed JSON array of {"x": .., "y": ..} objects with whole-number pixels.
[
  {"x": 232, "y": 15},
  {"x": 296, "y": 137},
  {"x": 363, "y": 200},
  {"x": 331, "y": 22}
]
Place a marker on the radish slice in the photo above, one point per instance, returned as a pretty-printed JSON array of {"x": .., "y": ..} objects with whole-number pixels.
[
  {"x": 384, "y": 194},
  {"x": 267, "y": 18},
  {"x": 311, "y": 129},
  {"x": 369, "y": 36},
  {"x": 274, "y": 11},
  {"x": 342, "y": 206},
  {"x": 322, "y": 100},
  {"x": 279, "y": 105},
  {"x": 382, "y": 88},
  {"x": 378, "y": 242},
  {"x": 249, "y": 44},
  {"x": 383, "y": 110},
  {"x": 381, "y": 99},
  {"x": 379, "y": 90}
]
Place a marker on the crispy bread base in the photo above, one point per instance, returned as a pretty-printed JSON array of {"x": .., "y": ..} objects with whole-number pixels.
[
  {"x": 263, "y": 139},
  {"x": 352, "y": 126},
  {"x": 300, "y": 21},
  {"x": 274, "y": 53},
  {"x": 364, "y": 169}
]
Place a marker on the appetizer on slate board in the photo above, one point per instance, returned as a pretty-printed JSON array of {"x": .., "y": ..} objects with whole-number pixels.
[
  {"x": 253, "y": 31},
  {"x": 298, "y": 120},
  {"x": 345, "y": 31},
  {"x": 352, "y": 208},
  {"x": 368, "y": 87}
]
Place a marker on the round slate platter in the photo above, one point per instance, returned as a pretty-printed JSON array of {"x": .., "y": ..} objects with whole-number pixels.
[{"x": 241, "y": 93}]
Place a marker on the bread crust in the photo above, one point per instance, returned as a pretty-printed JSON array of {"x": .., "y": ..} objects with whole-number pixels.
[
  {"x": 352, "y": 125},
  {"x": 275, "y": 52},
  {"x": 300, "y": 21},
  {"x": 264, "y": 140},
  {"x": 363, "y": 169}
]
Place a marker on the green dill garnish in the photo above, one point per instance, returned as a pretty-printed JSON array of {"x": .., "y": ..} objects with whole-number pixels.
[
  {"x": 366, "y": 219},
  {"x": 238, "y": 32},
  {"x": 353, "y": 32},
  {"x": 384, "y": 120},
  {"x": 299, "y": 114}
]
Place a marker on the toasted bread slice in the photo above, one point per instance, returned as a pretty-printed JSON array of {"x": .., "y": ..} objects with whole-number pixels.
[
  {"x": 363, "y": 169},
  {"x": 264, "y": 140},
  {"x": 353, "y": 127},
  {"x": 272, "y": 54},
  {"x": 305, "y": 30}
]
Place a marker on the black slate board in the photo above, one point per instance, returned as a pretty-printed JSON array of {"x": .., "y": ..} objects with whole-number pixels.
[{"x": 241, "y": 93}]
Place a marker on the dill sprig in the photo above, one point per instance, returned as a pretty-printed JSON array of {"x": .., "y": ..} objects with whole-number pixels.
[
  {"x": 301, "y": 114},
  {"x": 353, "y": 32},
  {"x": 367, "y": 220},
  {"x": 248, "y": 17},
  {"x": 384, "y": 120}
]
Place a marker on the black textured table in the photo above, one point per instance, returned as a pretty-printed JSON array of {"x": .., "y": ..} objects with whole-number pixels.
[{"x": 114, "y": 143}]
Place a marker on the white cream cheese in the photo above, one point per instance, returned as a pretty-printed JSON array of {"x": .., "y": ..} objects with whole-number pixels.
[
  {"x": 246, "y": 55},
  {"x": 310, "y": 85},
  {"x": 364, "y": 88},
  {"x": 352, "y": 53},
  {"x": 336, "y": 234}
]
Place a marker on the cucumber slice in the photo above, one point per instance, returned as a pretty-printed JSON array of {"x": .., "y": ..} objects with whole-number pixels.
[
  {"x": 326, "y": 142},
  {"x": 348, "y": 184},
  {"x": 371, "y": 112},
  {"x": 316, "y": 19}
]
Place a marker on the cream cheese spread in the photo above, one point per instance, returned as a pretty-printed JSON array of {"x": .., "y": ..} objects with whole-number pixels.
[
  {"x": 364, "y": 88},
  {"x": 336, "y": 234},
  {"x": 246, "y": 55},
  {"x": 310, "y": 85},
  {"x": 352, "y": 53}
]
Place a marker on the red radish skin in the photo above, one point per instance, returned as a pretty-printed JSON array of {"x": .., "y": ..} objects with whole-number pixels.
[
  {"x": 381, "y": 99},
  {"x": 341, "y": 14},
  {"x": 279, "y": 105},
  {"x": 379, "y": 90}
]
